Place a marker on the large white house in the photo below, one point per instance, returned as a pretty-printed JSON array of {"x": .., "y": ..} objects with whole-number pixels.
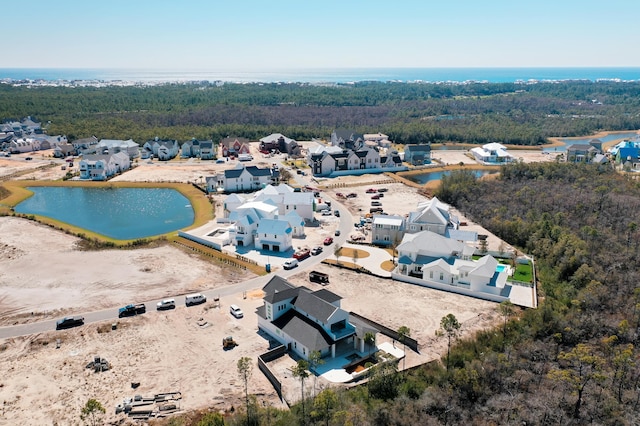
[
  {"x": 306, "y": 321},
  {"x": 492, "y": 153},
  {"x": 435, "y": 261},
  {"x": 258, "y": 224},
  {"x": 113, "y": 146},
  {"x": 163, "y": 149},
  {"x": 102, "y": 167},
  {"x": 334, "y": 161},
  {"x": 241, "y": 178},
  {"x": 432, "y": 215}
]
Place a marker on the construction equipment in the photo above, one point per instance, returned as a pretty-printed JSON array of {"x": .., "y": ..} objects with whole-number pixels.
[{"x": 228, "y": 343}]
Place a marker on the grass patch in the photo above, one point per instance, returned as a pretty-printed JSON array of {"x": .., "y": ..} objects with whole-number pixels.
[
  {"x": 523, "y": 272},
  {"x": 349, "y": 252},
  {"x": 388, "y": 265}
]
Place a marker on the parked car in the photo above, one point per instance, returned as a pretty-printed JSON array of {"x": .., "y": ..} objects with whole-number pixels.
[
  {"x": 166, "y": 304},
  {"x": 337, "y": 233},
  {"x": 383, "y": 189},
  {"x": 326, "y": 212},
  {"x": 339, "y": 195},
  {"x": 352, "y": 195},
  {"x": 302, "y": 254},
  {"x": 371, "y": 191},
  {"x": 375, "y": 197},
  {"x": 316, "y": 251},
  {"x": 194, "y": 299},
  {"x": 290, "y": 264},
  {"x": 328, "y": 241},
  {"x": 68, "y": 322},
  {"x": 336, "y": 213},
  {"x": 236, "y": 311},
  {"x": 376, "y": 203},
  {"x": 28, "y": 158}
]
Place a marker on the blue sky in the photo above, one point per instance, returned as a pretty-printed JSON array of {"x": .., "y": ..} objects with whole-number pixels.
[{"x": 285, "y": 34}]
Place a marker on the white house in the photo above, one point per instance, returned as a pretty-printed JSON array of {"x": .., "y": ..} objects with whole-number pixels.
[
  {"x": 288, "y": 201},
  {"x": 102, "y": 167},
  {"x": 328, "y": 161},
  {"x": 241, "y": 178},
  {"x": 432, "y": 215},
  {"x": 258, "y": 223},
  {"x": 163, "y": 149},
  {"x": 387, "y": 230},
  {"x": 378, "y": 139},
  {"x": 113, "y": 146},
  {"x": 492, "y": 153},
  {"x": 24, "y": 145},
  {"x": 432, "y": 260},
  {"x": 306, "y": 321}
]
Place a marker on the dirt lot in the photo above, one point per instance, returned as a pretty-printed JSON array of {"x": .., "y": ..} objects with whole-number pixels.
[{"x": 178, "y": 350}]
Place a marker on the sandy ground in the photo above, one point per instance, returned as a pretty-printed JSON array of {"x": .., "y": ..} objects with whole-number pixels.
[{"x": 41, "y": 272}]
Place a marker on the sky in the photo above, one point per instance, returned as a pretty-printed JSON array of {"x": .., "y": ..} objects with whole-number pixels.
[{"x": 257, "y": 35}]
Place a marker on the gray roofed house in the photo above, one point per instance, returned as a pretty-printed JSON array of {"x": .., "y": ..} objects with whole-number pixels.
[
  {"x": 417, "y": 154},
  {"x": 305, "y": 320}
]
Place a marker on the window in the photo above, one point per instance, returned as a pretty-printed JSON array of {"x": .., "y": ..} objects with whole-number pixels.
[
  {"x": 441, "y": 276},
  {"x": 430, "y": 274}
]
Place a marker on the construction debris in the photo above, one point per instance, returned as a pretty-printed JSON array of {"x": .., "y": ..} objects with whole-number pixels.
[
  {"x": 99, "y": 364},
  {"x": 138, "y": 407}
]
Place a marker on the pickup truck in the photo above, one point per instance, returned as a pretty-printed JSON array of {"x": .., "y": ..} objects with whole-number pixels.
[
  {"x": 131, "y": 310},
  {"x": 302, "y": 254},
  {"x": 68, "y": 322}
]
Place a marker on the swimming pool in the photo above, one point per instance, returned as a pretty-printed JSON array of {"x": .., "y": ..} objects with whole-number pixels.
[{"x": 501, "y": 268}]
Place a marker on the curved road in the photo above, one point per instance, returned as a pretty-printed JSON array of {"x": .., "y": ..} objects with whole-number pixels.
[{"x": 346, "y": 223}]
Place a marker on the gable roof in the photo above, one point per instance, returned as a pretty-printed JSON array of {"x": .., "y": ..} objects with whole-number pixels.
[
  {"x": 303, "y": 330},
  {"x": 327, "y": 295},
  {"x": 276, "y": 284},
  {"x": 318, "y": 308}
]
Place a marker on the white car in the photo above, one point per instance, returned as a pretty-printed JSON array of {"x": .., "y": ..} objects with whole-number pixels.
[
  {"x": 166, "y": 304},
  {"x": 236, "y": 311},
  {"x": 290, "y": 264}
]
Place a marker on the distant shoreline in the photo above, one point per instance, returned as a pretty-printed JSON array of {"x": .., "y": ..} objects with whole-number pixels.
[{"x": 322, "y": 75}]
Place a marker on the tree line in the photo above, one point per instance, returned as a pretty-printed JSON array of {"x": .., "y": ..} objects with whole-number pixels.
[{"x": 523, "y": 114}]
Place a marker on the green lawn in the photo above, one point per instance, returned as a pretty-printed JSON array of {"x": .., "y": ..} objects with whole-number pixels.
[{"x": 523, "y": 273}]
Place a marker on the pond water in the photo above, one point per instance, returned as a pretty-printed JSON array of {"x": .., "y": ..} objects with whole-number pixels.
[
  {"x": 120, "y": 213},
  {"x": 573, "y": 141},
  {"x": 423, "y": 178}
]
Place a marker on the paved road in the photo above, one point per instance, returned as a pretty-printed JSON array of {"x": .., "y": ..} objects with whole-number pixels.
[{"x": 346, "y": 222}]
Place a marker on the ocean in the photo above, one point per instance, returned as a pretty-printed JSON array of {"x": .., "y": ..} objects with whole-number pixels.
[{"x": 326, "y": 75}]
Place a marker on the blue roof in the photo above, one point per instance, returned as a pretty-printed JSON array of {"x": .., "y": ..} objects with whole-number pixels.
[
  {"x": 274, "y": 226},
  {"x": 405, "y": 260}
]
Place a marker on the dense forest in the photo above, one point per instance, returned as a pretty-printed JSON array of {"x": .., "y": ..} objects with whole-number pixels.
[
  {"x": 573, "y": 361},
  {"x": 513, "y": 113}
]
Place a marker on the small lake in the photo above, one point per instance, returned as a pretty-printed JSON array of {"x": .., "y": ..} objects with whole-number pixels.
[
  {"x": 572, "y": 141},
  {"x": 119, "y": 213},
  {"x": 425, "y": 177}
]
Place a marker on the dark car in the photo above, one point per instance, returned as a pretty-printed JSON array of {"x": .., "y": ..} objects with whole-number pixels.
[
  {"x": 383, "y": 189},
  {"x": 352, "y": 195},
  {"x": 375, "y": 197},
  {"x": 336, "y": 213},
  {"x": 131, "y": 310},
  {"x": 28, "y": 158},
  {"x": 68, "y": 322}
]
